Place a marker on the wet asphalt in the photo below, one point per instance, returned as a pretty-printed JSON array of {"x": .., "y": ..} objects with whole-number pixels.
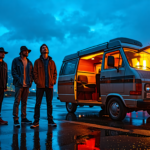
[{"x": 87, "y": 129}]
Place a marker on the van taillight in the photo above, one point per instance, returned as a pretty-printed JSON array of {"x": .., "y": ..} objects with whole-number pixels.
[{"x": 138, "y": 89}]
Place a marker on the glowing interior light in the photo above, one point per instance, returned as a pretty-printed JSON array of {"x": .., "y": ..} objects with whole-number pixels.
[
  {"x": 144, "y": 64},
  {"x": 138, "y": 64},
  {"x": 79, "y": 116},
  {"x": 92, "y": 58}
]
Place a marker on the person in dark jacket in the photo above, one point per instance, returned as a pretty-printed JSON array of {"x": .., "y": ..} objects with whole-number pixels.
[
  {"x": 45, "y": 75},
  {"x": 3, "y": 80},
  {"x": 22, "y": 72}
]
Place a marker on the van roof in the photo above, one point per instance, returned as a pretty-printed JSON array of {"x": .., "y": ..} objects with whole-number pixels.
[{"x": 114, "y": 43}]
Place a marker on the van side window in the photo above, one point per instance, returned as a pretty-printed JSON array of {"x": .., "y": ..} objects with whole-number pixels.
[
  {"x": 62, "y": 67},
  {"x": 117, "y": 59},
  {"x": 69, "y": 67}
]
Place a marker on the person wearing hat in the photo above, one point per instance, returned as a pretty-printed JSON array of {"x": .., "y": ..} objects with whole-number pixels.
[
  {"x": 45, "y": 75},
  {"x": 3, "y": 80},
  {"x": 22, "y": 72}
]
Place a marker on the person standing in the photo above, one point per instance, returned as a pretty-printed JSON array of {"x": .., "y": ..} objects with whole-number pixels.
[
  {"x": 22, "y": 72},
  {"x": 45, "y": 75},
  {"x": 3, "y": 80}
]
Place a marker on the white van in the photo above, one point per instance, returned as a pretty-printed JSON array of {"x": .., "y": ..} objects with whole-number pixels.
[{"x": 114, "y": 75}]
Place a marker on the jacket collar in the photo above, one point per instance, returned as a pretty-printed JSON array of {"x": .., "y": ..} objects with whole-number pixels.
[
  {"x": 21, "y": 60},
  {"x": 41, "y": 57}
]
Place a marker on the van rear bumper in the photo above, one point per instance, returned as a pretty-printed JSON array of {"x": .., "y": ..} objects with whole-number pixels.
[{"x": 141, "y": 104}]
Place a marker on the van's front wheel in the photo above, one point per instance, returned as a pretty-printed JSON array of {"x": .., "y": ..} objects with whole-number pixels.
[
  {"x": 71, "y": 107},
  {"x": 116, "y": 109}
]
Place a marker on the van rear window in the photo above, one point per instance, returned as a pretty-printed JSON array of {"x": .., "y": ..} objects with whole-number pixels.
[{"x": 69, "y": 67}]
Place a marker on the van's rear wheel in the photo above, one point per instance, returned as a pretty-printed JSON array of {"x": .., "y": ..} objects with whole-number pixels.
[
  {"x": 71, "y": 107},
  {"x": 116, "y": 109}
]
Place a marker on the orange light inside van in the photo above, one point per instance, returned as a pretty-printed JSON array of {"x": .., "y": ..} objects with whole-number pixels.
[
  {"x": 138, "y": 64},
  {"x": 92, "y": 55},
  {"x": 138, "y": 89},
  {"x": 144, "y": 64}
]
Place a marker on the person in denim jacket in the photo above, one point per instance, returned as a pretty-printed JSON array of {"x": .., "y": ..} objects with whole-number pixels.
[{"x": 22, "y": 72}]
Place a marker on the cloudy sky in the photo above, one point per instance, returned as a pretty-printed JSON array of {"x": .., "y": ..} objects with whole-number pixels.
[{"x": 67, "y": 26}]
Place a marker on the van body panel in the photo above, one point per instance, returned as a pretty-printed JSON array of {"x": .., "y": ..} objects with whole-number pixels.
[
  {"x": 87, "y": 102},
  {"x": 144, "y": 74},
  {"x": 72, "y": 56},
  {"x": 92, "y": 50},
  {"x": 116, "y": 95}
]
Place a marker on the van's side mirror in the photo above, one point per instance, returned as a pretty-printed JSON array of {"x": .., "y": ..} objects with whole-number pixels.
[{"x": 110, "y": 61}]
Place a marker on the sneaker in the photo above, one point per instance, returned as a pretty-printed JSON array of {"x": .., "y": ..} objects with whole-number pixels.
[
  {"x": 52, "y": 123},
  {"x": 34, "y": 124},
  {"x": 26, "y": 121},
  {"x": 16, "y": 123},
  {"x": 2, "y": 122}
]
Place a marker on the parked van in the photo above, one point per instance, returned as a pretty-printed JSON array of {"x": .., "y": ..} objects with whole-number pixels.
[{"x": 114, "y": 75}]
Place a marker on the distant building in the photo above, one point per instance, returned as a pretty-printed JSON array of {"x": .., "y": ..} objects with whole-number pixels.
[{"x": 10, "y": 86}]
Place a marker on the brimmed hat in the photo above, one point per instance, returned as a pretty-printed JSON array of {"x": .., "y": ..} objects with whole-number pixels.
[
  {"x": 2, "y": 50},
  {"x": 24, "y": 48}
]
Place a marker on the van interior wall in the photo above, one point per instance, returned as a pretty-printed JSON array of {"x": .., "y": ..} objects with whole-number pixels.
[{"x": 86, "y": 67}]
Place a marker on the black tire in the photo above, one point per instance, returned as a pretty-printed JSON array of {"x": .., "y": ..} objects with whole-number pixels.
[
  {"x": 71, "y": 107},
  {"x": 116, "y": 109},
  {"x": 148, "y": 111}
]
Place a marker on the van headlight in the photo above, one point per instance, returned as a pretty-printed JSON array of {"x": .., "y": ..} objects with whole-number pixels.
[{"x": 147, "y": 87}]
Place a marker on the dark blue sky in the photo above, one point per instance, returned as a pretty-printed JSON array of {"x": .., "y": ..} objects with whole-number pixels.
[{"x": 67, "y": 26}]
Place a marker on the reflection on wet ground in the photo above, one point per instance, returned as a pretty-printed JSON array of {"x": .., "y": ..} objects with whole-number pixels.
[
  {"x": 35, "y": 140},
  {"x": 134, "y": 120},
  {"x": 72, "y": 136}
]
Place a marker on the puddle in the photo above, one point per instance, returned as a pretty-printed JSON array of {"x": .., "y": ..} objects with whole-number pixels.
[{"x": 109, "y": 139}]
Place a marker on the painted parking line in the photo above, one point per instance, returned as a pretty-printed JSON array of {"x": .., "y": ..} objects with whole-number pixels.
[{"x": 134, "y": 131}]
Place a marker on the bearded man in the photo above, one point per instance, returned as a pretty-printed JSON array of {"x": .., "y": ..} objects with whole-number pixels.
[
  {"x": 22, "y": 72},
  {"x": 45, "y": 75}
]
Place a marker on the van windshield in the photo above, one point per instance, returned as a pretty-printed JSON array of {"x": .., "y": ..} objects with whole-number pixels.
[{"x": 138, "y": 59}]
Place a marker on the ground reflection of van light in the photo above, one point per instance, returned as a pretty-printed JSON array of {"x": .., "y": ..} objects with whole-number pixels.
[{"x": 87, "y": 142}]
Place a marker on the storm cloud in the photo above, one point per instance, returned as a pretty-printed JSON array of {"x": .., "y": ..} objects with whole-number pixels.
[{"x": 68, "y": 26}]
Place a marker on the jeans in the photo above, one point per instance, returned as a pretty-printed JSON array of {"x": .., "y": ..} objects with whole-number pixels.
[
  {"x": 21, "y": 93},
  {"x": 1, "y": 99},
  {"x": 49, "y": 97}
]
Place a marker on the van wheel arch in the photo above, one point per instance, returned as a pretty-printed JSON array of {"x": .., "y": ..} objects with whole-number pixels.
[
  {"x": 115, "y": 100},
  {"x": 111, "y": 96}
]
